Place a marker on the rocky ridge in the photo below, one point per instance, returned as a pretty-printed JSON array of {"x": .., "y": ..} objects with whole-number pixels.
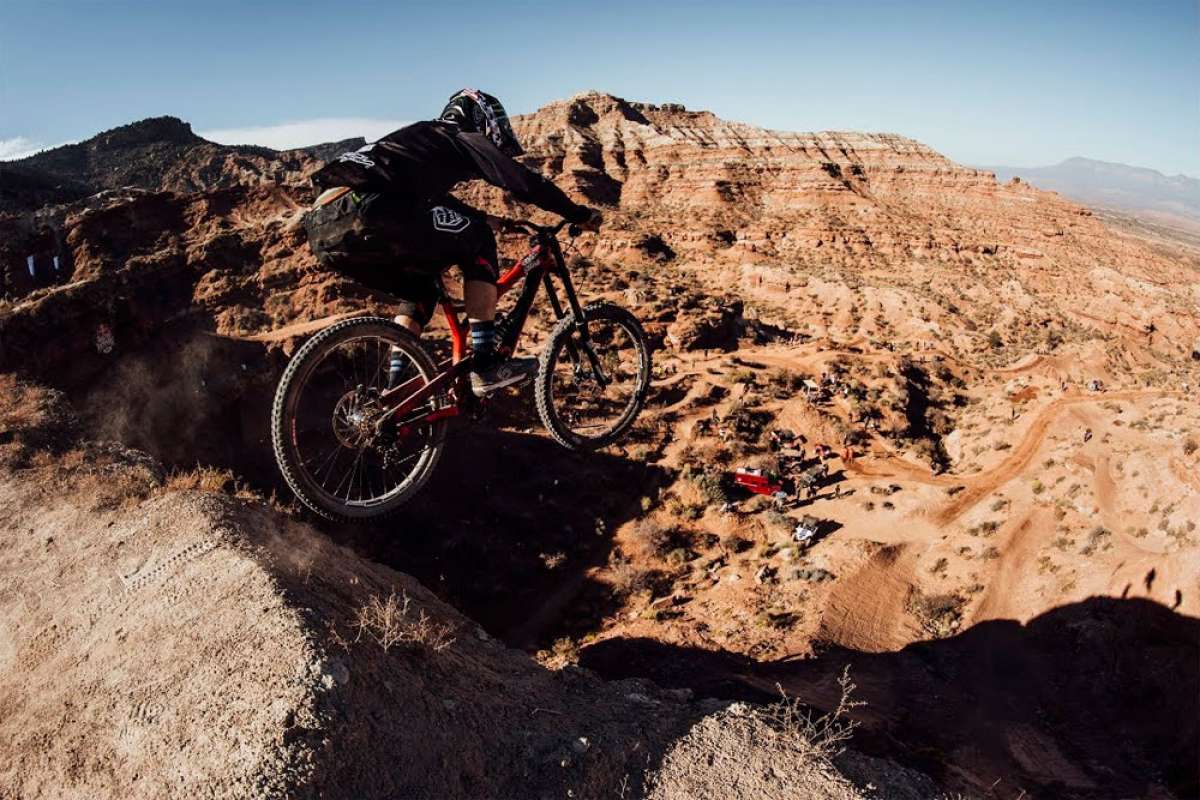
[{"x": 157, "y": 154}]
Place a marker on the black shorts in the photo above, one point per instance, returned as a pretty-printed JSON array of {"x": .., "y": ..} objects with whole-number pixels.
[{"x": 400, "y": 247}]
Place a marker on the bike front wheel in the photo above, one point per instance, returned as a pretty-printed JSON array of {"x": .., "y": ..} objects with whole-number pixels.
[
  {"x": 590, "y": 391},
  {"x": 335, "y": 457}
]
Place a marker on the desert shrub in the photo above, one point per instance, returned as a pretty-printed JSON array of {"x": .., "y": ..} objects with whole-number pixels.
[
  {"x": 1097, "y": 539},
  {"x": 778, "y": 522},
  {"x": 203, "y": 479},
  {"x": 390, "y": 622},
  {"x": 939, "y": 615},
  {"x": 712, "y": 486},
  {"x": 565, "y": 650},
  {"x": 736, "y": 544},
  {"x": 658, "y": 538},
  {"x": 1189, "y": 446},
  {"x": 628, "y": 579},
  {"x": 784, "y": 382},
  {"x": 821, "y": 735},
  {"x": 748, "y": 423}
]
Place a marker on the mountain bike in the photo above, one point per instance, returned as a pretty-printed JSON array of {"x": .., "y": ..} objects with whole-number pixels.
[{"x": 360, "y": 415}]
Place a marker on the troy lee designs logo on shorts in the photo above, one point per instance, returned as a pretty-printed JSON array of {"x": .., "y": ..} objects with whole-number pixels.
[{"x": 449, "y": 220}]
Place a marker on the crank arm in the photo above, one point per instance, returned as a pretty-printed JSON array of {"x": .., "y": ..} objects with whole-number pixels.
[{"x": 407, "y": 427}]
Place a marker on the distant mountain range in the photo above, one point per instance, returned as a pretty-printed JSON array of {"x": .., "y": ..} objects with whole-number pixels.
[
  {"x": 1115, "y": 186},
  {"x": 157, "y": 154}
]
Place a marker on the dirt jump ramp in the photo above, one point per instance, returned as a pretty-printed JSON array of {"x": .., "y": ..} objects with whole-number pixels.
[
  {"x": 193, "y": 646},
  {"x": 157, "y": 642}
]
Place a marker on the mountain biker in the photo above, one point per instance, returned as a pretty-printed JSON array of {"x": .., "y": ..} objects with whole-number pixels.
[{"x": 387, "y": 219}]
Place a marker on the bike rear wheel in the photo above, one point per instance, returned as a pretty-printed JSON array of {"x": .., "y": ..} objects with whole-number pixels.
[
  {"x": 590, "y": 392},
  {"x": 331, "y": 452}
]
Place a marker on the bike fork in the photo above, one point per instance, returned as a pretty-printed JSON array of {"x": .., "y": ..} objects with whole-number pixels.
[{"x": 581, "y": 325}]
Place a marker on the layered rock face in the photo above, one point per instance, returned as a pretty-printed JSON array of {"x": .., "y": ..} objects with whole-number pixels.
[
  {"x": 945, "y": 253},
  {"x": 811, "y": 196},
  {"x": 775, "y": 208}
]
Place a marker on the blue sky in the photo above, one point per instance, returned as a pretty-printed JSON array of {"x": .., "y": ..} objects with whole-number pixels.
[{"x": 1018, "y": 83}]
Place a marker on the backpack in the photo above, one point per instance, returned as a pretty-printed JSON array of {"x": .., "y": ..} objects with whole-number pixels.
[{"x": 336, "y": 224}]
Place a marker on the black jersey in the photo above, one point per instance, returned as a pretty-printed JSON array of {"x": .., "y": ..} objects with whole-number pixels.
[{"x": 426, "y": 159}]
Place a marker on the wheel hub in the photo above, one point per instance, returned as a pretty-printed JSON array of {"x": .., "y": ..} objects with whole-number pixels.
[{"x": 354, "y": 417}]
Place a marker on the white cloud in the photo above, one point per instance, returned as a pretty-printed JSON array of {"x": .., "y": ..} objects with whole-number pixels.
[
  {"x": 288, "y": 135},
  {"x": 19, "y": 147}
]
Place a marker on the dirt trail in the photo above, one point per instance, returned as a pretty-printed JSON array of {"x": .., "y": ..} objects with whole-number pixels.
[
  {"x": 1002, "y": 597},
  {"x": 1106, "y": 490},
  {"x": 1027, "y": 363},
  {"x": 984, "y": 483}
]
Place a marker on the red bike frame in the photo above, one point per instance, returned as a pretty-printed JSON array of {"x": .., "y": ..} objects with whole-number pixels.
[{"x": 544, "y": 259}]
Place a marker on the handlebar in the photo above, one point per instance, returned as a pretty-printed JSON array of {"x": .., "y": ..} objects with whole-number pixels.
[{"x": 525, "y": 226}]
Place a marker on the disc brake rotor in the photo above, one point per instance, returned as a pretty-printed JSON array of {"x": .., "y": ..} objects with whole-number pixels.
[{"x": 354, "y": 417}]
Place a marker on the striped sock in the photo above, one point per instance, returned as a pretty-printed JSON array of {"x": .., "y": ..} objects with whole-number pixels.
[
  {"x": 396, "y": 366},
  {"x": 483, "y": 340}
]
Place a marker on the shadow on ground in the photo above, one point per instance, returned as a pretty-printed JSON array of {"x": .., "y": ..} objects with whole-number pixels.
[
  {"x": 1095, "y": 699},
  {"x": 508, "y": 528}
]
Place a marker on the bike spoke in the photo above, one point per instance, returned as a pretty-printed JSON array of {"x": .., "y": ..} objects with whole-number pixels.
[
  {"x": 594, "y": 383},
  {"x": 335, "y": 437}
]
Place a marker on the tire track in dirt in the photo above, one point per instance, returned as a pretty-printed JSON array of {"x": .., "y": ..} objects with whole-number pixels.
[{"x": 865, "y": 610}]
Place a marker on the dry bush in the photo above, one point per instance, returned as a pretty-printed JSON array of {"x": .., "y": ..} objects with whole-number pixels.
[
  {"x": 390, "y": 621},
  {"x": 735, "y": 543},
  {"x": 203, "y": 479},
  {"x": 662, "y": 540},
  {"x": 821, "y": 735},
  {"x": 712, "y": 486},
  {"x": 939, "y": 615},
  {"x": 1098, "y": 540},
  {"x": 628, "y": 579},
  {"x": 784, "y": 382},
  {"x": 778, "y": 522}
]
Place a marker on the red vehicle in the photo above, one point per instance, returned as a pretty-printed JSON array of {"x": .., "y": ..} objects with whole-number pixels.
[
  {"x": 756, "y": 481},
  {"x": 360, "y": 414}
]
